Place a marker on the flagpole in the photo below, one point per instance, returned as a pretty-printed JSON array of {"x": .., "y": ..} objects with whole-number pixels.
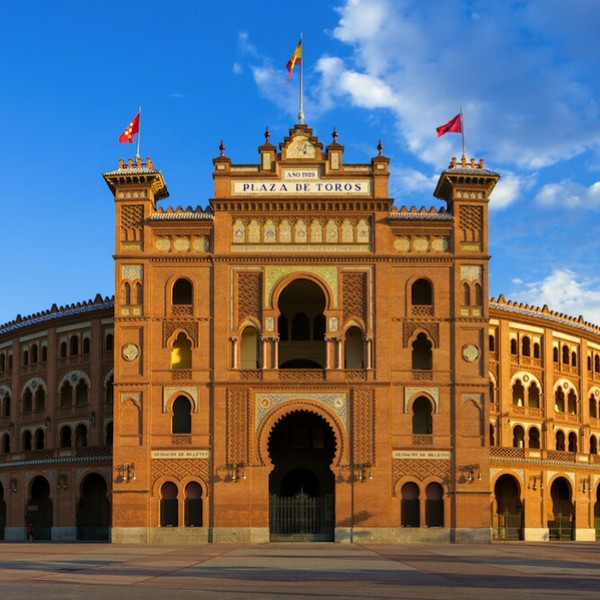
[
  {"x": 462, "y": 132},
  {"x": 301, "y": 112},
  {"x": 137, "y": 150}
]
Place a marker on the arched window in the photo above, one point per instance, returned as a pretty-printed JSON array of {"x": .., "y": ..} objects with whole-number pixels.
[
  {"x": 40, "y": 399},
  {"x": 478, "y": 294},
  {"x": 25, "y": 357},
  {"x": 565, "y": 355},
  {"x": 593, "y": 445},
  {"x": 249, "y": 349},
  {"x": 353, "y": 349},
  {"x": 410, "y": 516},
  {"x": 139, "y": 294},
  {"x": 27, "y": 441},
  {"x": 65, "y": 437},
  {"x": 555, "y": 354},
  {"x": 593, "y": 407},
  {"x": 533, "y": 395},
  {"x": 34, "y": 354},
  {"x": 513, "y": 347},
  {"x": 560, "y": 441},
  {"x": 518, "y": 393},
  {"x": 81, "y": 436},
  {"x": 182, "y": 415},
  {"x": 44, "y": 353},
  {"x": 181, "y": 354},
  {"x": 434, "y": 505},
  {"x": 421, "y": 293},
  {"x": 6, "y": 407},
  {"x": 169, "y": 508},
  {"x": 109, "y": 342},
  {"x": 572, "y": 402},
  {"x": 421, "y": 420},
  {"x": 182, "y": 292},
  {"x": 74, "y": 345},
  {"x": 81, "y": 393},
  {"x": 319, "y": 328},
  {"x": 39, "y": 439},
  {"x": 421, "y": 353},
  {"x": 193, "y": 505},
  {"x": 300, "y": 327},
  {"x": 466, "y": 294},
  {"x": 63, "y": 349},
  {"x": 2, "y": 362},
  {"x": 126, "y": 294},
  {"x": 573, "y": 359},
  {"x": 108, "y": 440},
  {"x": 6, "y": 444},
  {"x": 597, "y": 363},
  {"x": 536, "y": 350},
  {"x": 518, "y": 437},
  {"x": 492, "y": 436},
  {"x": 491, "y": 343},
  {"x": 109, "y": 393},
  {"x": 66, "y": 395},
  {"x": 283, "y": 328},
  {"x": 559, "y": 400},
  {"x": 534, "y": 437},
  {"x": 86, "y": 345},
  {"x": 27, "y": 401},
  {"x": 572, "y": 442},
  {"x": 526, "y": 346}
]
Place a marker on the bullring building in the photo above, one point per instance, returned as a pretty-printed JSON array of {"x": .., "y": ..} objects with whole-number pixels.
[{"x": 300, "y": 361}]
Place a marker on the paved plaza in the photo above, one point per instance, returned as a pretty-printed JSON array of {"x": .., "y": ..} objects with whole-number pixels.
[{"x": 297, "y": 571}]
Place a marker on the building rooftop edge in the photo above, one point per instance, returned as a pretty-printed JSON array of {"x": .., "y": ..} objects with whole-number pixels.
[{"x": 58, "y": 312}]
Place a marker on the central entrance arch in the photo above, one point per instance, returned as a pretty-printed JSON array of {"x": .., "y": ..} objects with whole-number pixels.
[{"x": 302, "y": 485}]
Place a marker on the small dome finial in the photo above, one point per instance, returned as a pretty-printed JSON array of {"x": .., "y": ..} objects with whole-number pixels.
[
  {"x": 267, "y": 134},
  {"x": 334, "y": 135},
  {"x": 222, "y": 148},
  {"x": 379, "y": 147}
]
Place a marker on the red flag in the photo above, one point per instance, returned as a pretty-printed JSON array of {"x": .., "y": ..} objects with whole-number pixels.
[
  {"x": 127, "y": 136},
  {"x": 454, "y": 125},
  {"x": 296, "y": 59}
]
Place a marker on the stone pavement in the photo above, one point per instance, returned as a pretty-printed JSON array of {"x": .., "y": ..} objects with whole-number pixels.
[{"x": 300, "y": 571}]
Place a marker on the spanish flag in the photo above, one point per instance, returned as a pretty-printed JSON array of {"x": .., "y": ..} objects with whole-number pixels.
[{"x": 295, "y": 59}]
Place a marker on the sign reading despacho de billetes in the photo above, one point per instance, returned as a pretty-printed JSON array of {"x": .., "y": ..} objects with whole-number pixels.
[
  {"x": 345, "y": 187},
  {"x": 175, "y": 454},
  {"x": 421, "y": 454}
]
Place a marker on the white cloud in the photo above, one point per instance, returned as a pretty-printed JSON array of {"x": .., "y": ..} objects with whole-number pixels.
[
  {"x": 237, "y": 68},
  {"x": 570, "y": 194},
  {"x": 528, "y": 91},
  {"x": 566, "y": 292}
]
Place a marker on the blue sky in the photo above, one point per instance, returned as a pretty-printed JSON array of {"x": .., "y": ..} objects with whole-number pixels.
[{"x": 525, "y": 72}]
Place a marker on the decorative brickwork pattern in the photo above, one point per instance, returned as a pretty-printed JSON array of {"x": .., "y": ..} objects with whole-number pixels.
[
  {"x": 420, "y": 469},
  {"x": 363, "y": 426},
  {"x": 190, "y": 328},
  {"x": 180, "y": 469},
  {"x": 354, "y": 286},
  {"x": 249, "y": 296},
  {"x": 181, "y": 439},
  {"x": 132, "y": 216},
  {"x": 238, "y": 420},
  {"x": 432, "y": 330},
  {"x": 471, "y": 223}
]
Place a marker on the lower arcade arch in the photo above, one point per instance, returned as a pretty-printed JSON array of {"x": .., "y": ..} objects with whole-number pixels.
[
  {"x": 302, "y": 447},
  {"x": 93, "y": 509},
  {"x": 507, "y": 509},
  {"x": 39, "y": 509},
  {"x": 2, "y": 512},
  {"x": 561, "y": 521},
  {"x": 597, "y": 513}
]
